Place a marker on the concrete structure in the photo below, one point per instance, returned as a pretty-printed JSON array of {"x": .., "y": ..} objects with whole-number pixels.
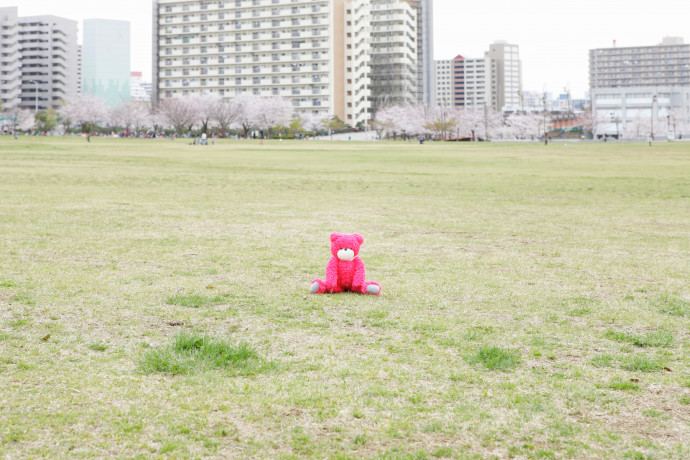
[
  {"x": 480, "y": 83},
  {"x": 394, "y": 53},
  {"x": 426, "y": 92},
  {"x": 10, "y": 66},
  {"x": 643, "y": 90},
  {"x": 140, "y": 90},
  {"x": 493, "y": 81},
  {"x": 105, "y": 60},
  {"x": 507, "y": 75},
  {"x": 314, "y": 53},
  {"x": 39, "y": 60},
  {"x": 443, "y": 73}
]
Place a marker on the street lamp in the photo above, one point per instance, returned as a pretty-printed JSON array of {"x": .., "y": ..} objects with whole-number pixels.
[
  {"x": 36, "y": 86},
  {"x": 652, "y": 117}
]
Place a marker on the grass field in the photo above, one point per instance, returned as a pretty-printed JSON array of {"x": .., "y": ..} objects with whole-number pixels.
[{"x": 154, "y": 300}]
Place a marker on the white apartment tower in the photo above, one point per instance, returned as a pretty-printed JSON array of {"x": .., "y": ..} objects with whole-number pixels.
[
  {"x": 49, "y": 60},
  {"x": 314, "y": 53},
  {"x": 479, "y": 84},
  {"x": 394, "y": 53},
  {"x": 10, "y": 66},
  {"x": 443, "y": 72},
  {"x": 508, "y": 75}
]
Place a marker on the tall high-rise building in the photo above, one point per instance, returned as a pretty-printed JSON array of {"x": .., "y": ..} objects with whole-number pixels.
[
  {"x": 641, "y": 90},
  {"x": 425, "y": 50},
  {"x": 445, "y": 77},
  {"x": 314, "y": 53},
  {"x": 10, "y": 64},
  {"x": 507, "y": 74},
  {"x": 493, "y": 81},
  {"x": 39, "y": 60},
  {"x": 394, "y": 53},
  {"x": 105, "y": 60}
]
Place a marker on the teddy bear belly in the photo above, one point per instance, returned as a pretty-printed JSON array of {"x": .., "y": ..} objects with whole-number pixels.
[{"x": 345, "y": 276}]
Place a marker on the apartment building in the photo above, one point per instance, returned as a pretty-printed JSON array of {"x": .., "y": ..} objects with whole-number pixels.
[
  {"x": 39, "y": 60},
  {"x": 106, "y": 60},
  {"x": 10, "y": 65},
  {"x": 49, "y": 60},
  {"x": 444, "y": 76},
  {"x": 425, "y": 50},
  {"x": 493, "y": 81},
  {"x": 314, "y": 53},
  {"x": 507, "y": 75},
  {"x": 394, "y": 52},
  {"x": 480, "y": 85},
  {"x": 641, "y": 90}
]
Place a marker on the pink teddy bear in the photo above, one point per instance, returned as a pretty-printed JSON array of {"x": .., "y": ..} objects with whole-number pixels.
[{"x": 345, "y": 271}]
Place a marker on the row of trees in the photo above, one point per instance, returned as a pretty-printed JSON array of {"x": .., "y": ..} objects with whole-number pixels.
[
  {"x": 244, "y": 113},
  {"x": 456, "y": 123}
]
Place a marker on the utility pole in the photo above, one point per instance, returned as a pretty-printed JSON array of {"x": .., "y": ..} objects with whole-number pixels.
[{"x": 652, "y": 117}]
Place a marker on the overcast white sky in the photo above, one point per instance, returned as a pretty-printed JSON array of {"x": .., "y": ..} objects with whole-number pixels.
[{"x": 554, "y": 37}]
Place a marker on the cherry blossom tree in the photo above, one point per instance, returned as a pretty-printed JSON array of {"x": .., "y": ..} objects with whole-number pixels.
[
  {"x": 313, "y": 122},
  {"x": 206, "y": 106},
  {"x": 19, "y": 119},
  {"x": 225, "y": 113},
  {"x": 178, "y": 112},
  {"x": 528, "y": 125},
  {"x": 86, "y": 109},
  {"x": 271, "y": 112},
  {"x": 385, "y": 121},
  {"x": 132, "y": 116},
  {"x": 247, "y": 106},
  {"x": 441, "y": 120}
]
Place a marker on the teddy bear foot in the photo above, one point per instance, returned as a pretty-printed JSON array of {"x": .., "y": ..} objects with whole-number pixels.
[
  {"x": 373, "y": 289},
  {"x": 314, "y": 288}
]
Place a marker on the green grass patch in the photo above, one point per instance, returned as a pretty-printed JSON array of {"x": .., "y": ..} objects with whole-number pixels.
[
  {"x": 195, "y": 300},
  {"x": 672, "y": 305},
  {"x": 624, "y": 385},
  {"x": 97, "y": 346},
  {"x": 190, "y": 353},
  {"x": 641, "y": 363},
  {"x": 495, "y": 358},
  {"x": 650, "y": 339}
]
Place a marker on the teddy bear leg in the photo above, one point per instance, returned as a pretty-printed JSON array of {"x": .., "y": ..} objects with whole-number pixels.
[
  {"x": 371, "y": 287},
  {"x": 317, "y": 287}
]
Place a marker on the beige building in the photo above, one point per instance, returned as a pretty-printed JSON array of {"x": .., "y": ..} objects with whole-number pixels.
[
  {"x": 507, "y": 78},
  {"x": 39, "y": 60},
  {"x": 314, "y": 53},
  {"x": 493, "y": 81}
]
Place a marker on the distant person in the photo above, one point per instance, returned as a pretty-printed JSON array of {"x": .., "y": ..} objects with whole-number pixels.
[{"x": 649, "y": 139}]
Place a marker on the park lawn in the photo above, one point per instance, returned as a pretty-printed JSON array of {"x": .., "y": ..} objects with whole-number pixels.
[{"x": 154, "y": 300}]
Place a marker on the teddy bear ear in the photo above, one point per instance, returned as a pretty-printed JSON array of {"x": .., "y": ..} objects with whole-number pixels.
[
  {"x": 359, "y": 238},
  {"x": 335, "y": 236}
]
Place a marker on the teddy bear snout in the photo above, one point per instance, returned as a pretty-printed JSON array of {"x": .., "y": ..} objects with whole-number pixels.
[{"x": 346, "y": 254}]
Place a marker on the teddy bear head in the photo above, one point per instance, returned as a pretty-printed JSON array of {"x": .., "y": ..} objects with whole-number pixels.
[{"x": 346, "y": 247}]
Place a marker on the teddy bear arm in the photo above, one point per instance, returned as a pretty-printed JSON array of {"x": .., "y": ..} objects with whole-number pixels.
[
  {"x": 360, "y": 274},
  {"x": 332, "y": 273}
]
